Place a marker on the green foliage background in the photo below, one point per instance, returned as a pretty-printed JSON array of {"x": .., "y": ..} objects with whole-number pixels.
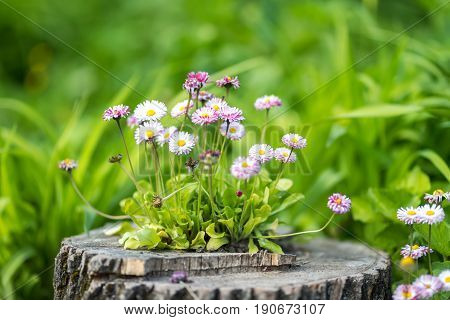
[{"x": 379, "y": 132}]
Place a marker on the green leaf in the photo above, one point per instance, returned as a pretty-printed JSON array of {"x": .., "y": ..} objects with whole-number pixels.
[
  {"x": 380, "y": 111},
  {"x": 180, "y": 243},
  {"x": 271, "y": 246},
  {"x": 229, "y": 223},
  {"x": 229, "y": 212},
  {"x": 266, "y": 195},
  {"x": 119, "y": 229},
  {"x": 129, "y": 206},
  {"x": 438, "y": 267},
  {"x": 416, "y": 181},
  {"x": 250, "y": 225},
  {"x": 215, "y": 243},
  {"x": 211, "y": 231},
  {"x": 148, "y": 238},
  {"x": 252, "y": 247},
  {"x": 263, "y": 212},
  {"x": 131, "y": 243},
  {"x": 284, "y": 184},
  {"x": 437, "y": 161},
  {"x": 199, "y": 241},
  {"x": 363, "y": 211},
  {"x": 440, "y": 236},
  {"x": 289, "y": 201},
  {"x": 229, "y": 197}
]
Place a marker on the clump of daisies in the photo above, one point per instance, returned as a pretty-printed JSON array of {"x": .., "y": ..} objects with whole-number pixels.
[
  {"x": 187, "y": 197},
  {"x": 425, "y": 286}
]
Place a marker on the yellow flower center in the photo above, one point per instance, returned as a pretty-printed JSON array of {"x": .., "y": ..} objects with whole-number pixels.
[
  {"x": 438, "y": 192},
  {"x": 447, "y": 279},
  {"x": 294, "y": 140},
  {"x": 415, "y": 247},
  {"x": 406, "y": 262},
  {"x": 285, "y": 154},
  {"x": 204, "y": 115},
  {"x": 406, "y": 294},
  {"x": 149, "y": 134},
  {"x": 166, "y": 135},
  {"x": 430, "y": 213},
  {"x": 244, "y": 164},
  {"x": 228, "y": 78},
  {"x": 181, "y": 143},
  {"x": 427, "y": 285},
  {"x": 261, "y": 152},
  {"x": 267, "y": 99},
  {"x": 232, "y": 130},
  {"x": 182, "y": 108},
  {"x": 216, "y": 107},
  {"x": 151, "y": 112},
  {"x": 411, "y": 212},
  {"x": 338, "y": 200}
]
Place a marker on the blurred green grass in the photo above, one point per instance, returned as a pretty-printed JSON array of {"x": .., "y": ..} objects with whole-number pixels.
[{"x": 379, "y": 132}]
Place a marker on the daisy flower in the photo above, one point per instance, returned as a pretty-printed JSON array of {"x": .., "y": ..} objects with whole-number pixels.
[
  {"x": 430, "y": 214},
  {"x": 267, "y": 102},
  {"x": 200, "y": 76},
  {"x": 203, "y": 96},
  {"x": 165, "y": 135},
  {"x": 284, "y": 155},
  {"x": 408, "y": 215},
  {"x": 444, "y": 276},
  {"x": 195, "y": 80},
  {"x": 339, "y": 203},
  {"x": 293, "y": 140},
  {"x": 181, "y": 143},
  {"x": 132, "y": 122},
  {"x": 150, "y": 111},
  {"x": 216, "y": 104},
  {"x": 245, "y": 168},
  {"x": 68, "y": 165},
  {"x": 204, "y": 115},
  {"x": 230, "y": 114},
  {"x": 415, "y": 251},
  {"x": 405, "y": 292},
  {"x": 179, "y": 109},
  {"x": 228, "y": 82},
  {"x": 235, "y": 130},
  {"x": 261, "y": 152},
  {"x": 116, "y": 112},
  {"x": 148, "y": 131},
  {"x": 437, "y": 196},
  {"x": 427, "y": 285}
]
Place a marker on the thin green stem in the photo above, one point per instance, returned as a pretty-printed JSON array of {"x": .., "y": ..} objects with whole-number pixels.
[
  {"x": 159, "y": 171},
  {"x": 263, "y": 130},
  {"x": 147, "y": 164},
  {"x": 430, "y": 268},
  {"x": 298, "y": 233},
  {"x": 131, "y": 177},
  {"x": 86, "y": 202},
  {"x": 126, "y": 147},
  {"x": 187, "y": 111}
]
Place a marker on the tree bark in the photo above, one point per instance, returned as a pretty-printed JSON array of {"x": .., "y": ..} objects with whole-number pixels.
[{"x": 95, "y": 266}]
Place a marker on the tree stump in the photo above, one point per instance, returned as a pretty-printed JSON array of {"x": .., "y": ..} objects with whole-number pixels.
[{"x": 95, "y": 266}]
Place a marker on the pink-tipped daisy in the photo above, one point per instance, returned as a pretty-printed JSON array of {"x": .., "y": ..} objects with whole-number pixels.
[
  {"x": 148, "y": 131},
  {"x": 444, "y": 276},
  {"x": 285, "y": 155},
  {"x": 261, "y": 153},
  {"x": 205, "y": 115},
  {"x": 165, "y": 135},
  {"x": 431, "y": 214},
  {"x": 195, "y": 81},
  {"x": 216, "y": 104},
  {"x": 116, "y": 112},
  {"x": 267, "y": 102},
  {"x": 181, "y": 143},
  {"x": 427, "y": 285},
  {"x": 203, "y": 96},
  {"x": 200, "y": 76},
  {"x": 408, "y": 215},
  {"x": 179, "y": 110},
  {"x": 293, "y": 140},
  {"x": 68, "y": 165},
  {"x": 339, "y": 203},
  {"x": 228, "y": 82},
  {"x": 405, "y": 292},
  {"x": 415, "y": 251},
  {"x": 132, "y": 122},
  {"x": 150, "y": 111},
  {"x": 244, "y": 168},
  {"x": 231, "y": 114},
  {"x": 437, "y": 197},
  {"x": 235, "y": 130}
]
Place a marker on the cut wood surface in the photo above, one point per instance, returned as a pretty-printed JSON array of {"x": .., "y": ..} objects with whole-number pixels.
[{"x": 95, "y": 266}]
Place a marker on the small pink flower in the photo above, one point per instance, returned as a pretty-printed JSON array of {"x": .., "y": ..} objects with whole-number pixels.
[
  {"x": 267, "y": 102},
  {"x": 415, "y": 251},
  {"x": 68, "y": 165},
  {"x": 116, "y": 112},
  {"x": 228, "y": 82},
  {"x": 245, "y": 168},
  {"x": 339, "y": 203},
  {"x": 205, "y": 115},
  {"x": 405, "y": 292},
  {"x": 132, "y": 122},
  {"x": 231, "y": 114},
  {"x": 293, "y": 140},
  {"x": 427, "y": 285},
  {"x": 195, "y": 81}
]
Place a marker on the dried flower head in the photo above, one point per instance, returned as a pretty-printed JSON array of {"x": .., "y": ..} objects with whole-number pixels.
[
  {"x": 115, "y": 158},
  {"x": 204, "y": 116},
  {"x": 437, "y": 197},
  {"x": 261, "y": 153},
  {"x": 181, "y": 143},
  {"x": 415, "y": 251},
  {"x": 233, "y": 130},
  {"x": 68, "y": 165},
  {"x": 405, "y": 292},
  {"x": 427, "y": 285},
  {"x": 293, "y": 140},
  {"x": 148, "y": 131},
  {"x": 244, "y": 168},
  {"x": 430, "y": 214},
  {"x": 408, "y": 215},
  {"x": 157, "y": 201},
  {"x": 179, "y": 110},
  {"x": 339, "y": 203},
  {"x": 116, "y": 112},
  {"x": 228, "y": 82},
  {"x": 191, "y": 164},
  {"x": 203, "y": 96},
  {"x": 150, "y": 111},
  {"x": 209, "y": 157},
  {"x": 285, "y": 155},
  {"x": 267, "y": 102}
]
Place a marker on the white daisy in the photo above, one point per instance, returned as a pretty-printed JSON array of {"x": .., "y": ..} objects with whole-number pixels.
[
  {"x": 437, "y": 196},
  {"x": 235, "y": 130},
  {"x": 431, "y": 214},
  {"x": 181, "y": 143},
  {"x": 205, "y": 115},
  {"x": 261, "y": 152},
  {"x": 293, "y": 140},
  {"x": 150, "y": 111},
  {"x": 180, "y": 108},
  {"x": 427, "y": 285},
  {"x": 284, "y": 155},
  {"x": 405, "y": 292},
  {"x": 408, "y": 215},
  {"x": 165, "y": 135},
  {"x": 444, "y": 276},
  {"x": 216, "y": 104},
  {"x": 148, "y": 131}
]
